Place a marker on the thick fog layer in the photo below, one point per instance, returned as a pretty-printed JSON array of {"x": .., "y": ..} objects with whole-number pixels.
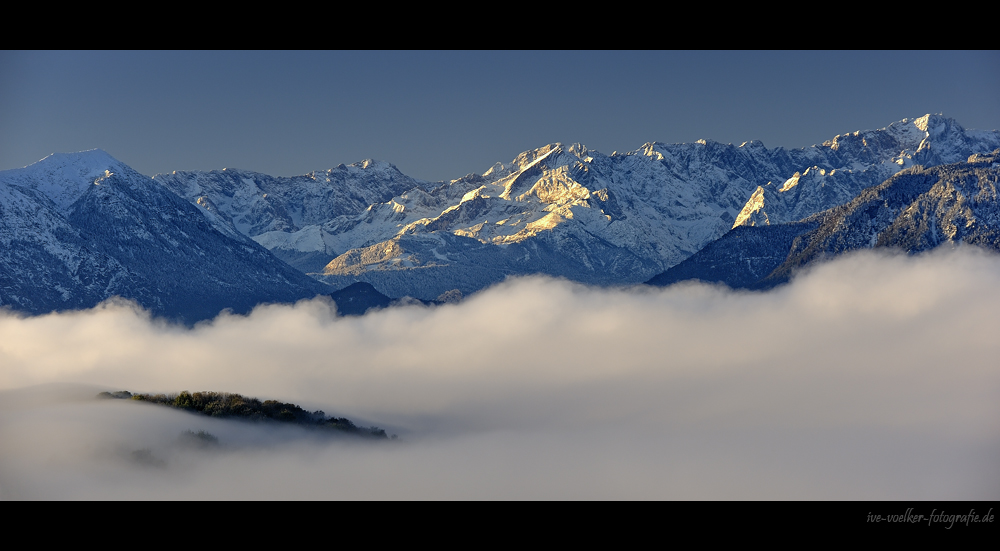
[{"x": 871, "y": 377}]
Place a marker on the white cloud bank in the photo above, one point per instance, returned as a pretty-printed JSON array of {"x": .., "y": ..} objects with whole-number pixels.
[{"x": 871, "y": 377}]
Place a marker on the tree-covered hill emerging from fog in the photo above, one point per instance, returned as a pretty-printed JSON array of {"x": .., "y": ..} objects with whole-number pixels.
[{"x": 237, "y": 406}]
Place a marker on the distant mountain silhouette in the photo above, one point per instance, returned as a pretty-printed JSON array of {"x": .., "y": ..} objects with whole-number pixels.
[{"x": 358, "y": 298}]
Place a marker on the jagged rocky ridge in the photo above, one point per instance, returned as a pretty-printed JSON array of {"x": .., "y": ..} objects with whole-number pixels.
[
  {"x": 915, "y": 210},
  {"x": 286, "y": 214},
  {"x": 563, "y": 211},
  {"x": 76, "y": 229}
]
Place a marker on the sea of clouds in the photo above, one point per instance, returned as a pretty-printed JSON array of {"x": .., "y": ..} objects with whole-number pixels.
[{"x": 874, "y": 376}]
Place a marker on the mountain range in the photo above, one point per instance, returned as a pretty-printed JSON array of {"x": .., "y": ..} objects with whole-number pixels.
[
  {"x": 915, "y": 210},
  {"x": 78, "y": 228},
  {"x": 560, "y": 210}
]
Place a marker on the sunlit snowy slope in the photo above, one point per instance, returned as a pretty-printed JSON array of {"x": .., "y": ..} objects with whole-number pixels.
[{"x": 561, "y": 210}]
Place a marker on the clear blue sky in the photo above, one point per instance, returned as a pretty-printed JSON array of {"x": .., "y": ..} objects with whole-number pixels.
[{"x": 441, "y": 115}]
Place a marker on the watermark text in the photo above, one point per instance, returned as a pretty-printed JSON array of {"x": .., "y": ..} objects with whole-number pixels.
[{"x": 936, "y": 516}]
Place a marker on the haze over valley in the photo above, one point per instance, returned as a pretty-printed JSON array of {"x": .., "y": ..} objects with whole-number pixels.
[{"x": 870, "y": 377}]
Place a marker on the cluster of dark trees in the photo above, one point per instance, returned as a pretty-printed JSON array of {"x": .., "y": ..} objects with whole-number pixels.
[{"x": 224, "y": 404}]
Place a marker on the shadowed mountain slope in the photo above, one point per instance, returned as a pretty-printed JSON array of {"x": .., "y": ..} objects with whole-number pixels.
[{"x": 78, "y": 229}]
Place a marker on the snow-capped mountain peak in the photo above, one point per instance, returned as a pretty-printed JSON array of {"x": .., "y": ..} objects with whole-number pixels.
[
  {"x": 835, "y": 171},
  {"x": 64, "y": 177},
  {"x": 79, "y": 228}
]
